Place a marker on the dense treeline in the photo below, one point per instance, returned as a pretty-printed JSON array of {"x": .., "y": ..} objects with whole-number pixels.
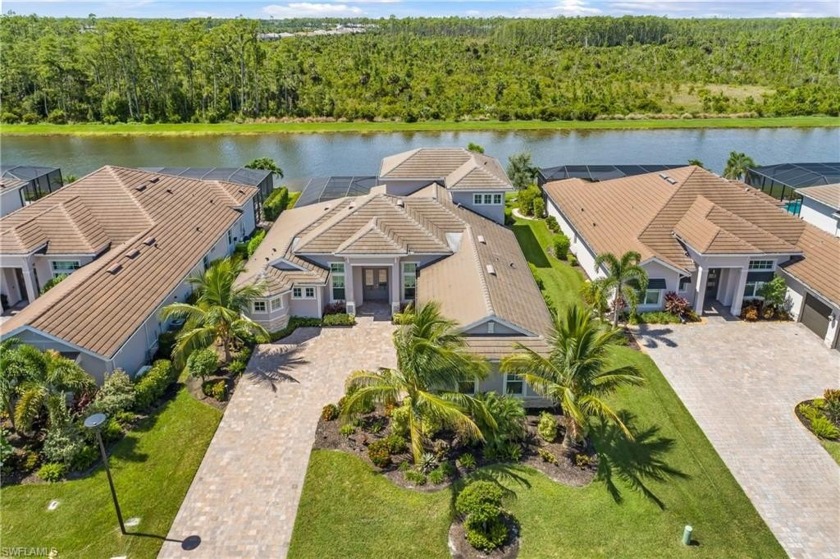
[{"x": 63, "y": 70}]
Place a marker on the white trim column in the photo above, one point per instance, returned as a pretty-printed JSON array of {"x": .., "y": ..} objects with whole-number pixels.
[
  {"x": 349, "y": 293},
  {"x": 738, "y": 296},
  {"x": 700, "y": 290},
  {"x": 396, "y": 285},
  {"x": 833, "y": 327},
  {"x": 29, "y": 281}
]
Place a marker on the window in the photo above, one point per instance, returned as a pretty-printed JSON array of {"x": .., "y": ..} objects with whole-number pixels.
[
  {"x": 488, "y": 199},
  {"x": 309, "y": 293},
  {"x": 276, "y": 303},
  {"x": 64, "y": 267},
  {"x": 514, "y": 385},
  {"x": 259, "y": 306},
  {"x": 651, "y": 297},
  {"x": 303, "y": 293},
  {"x": 753, "y": 289},
  {"x": 409, "y": 280},
  {"x": 477, "y": 199},
  {"x": 230, "y": 236},
  {"x": 761, "y": 264},
  {"x": 497, "y": 199},
  {"x": 684, "y": 283},
  {"x": 337, "y": 274},
  {"x": 468, "y": 387}
]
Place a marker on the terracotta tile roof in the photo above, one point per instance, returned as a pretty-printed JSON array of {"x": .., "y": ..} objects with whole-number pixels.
[
  {"x": 644, "y": 212},
  {"x": 101, "y": 305},
  {"x": 819, "y": 267},
  {"x": 459, "y": 168},
  {"x": 495, "y": 348},
  {"x": 828, "y": 194}
]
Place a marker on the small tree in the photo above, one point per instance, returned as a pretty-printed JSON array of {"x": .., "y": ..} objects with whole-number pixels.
[
  {"x": 775, "y": 293},
  {"x": 265, "y": 164},
  {"x": 521, "y": 171},
  {"x": 117, "y": 394},
  {"x": 202, "y": 363},
  {"x": 475, "y": 148}
]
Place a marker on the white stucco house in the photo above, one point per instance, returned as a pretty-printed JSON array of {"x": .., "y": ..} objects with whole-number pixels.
[
  {"x": 127, "y": 240},
  {"x": 821, "y": 207},
  {"x": 711, "y": 240},
  {"x": 21, "y": 185}
]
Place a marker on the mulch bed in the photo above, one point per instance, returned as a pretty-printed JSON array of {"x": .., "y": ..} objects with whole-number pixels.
[
  {"x": 565, "y": 471},
  {"x": 194, "y": 387},
  {"x": 460, "y": 548},
  {"x": 807, "y": 422}
]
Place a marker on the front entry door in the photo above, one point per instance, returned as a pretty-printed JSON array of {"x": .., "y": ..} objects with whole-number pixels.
[
  {"x": 375, "y": 284},
  {"x": 711, "y": 287}
]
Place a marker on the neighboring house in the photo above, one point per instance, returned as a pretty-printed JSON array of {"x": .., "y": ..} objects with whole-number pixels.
[
  {"x": 21, "y": 185},
  {"x": 259, "y": 178},
  {"x": 783, "y": 181},
  {"x": 419, "y": 245},
  {"x": 323, "y": 189},
  {"x": 706, "y": 238},
  {"x": 821, "y": 207},
  {"x": 128, "y": 240},
  {"x": 597, "y": 173}
]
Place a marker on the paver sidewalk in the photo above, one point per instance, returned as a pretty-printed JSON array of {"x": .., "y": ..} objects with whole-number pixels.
[
  {"x": 244, "y": 498},
  {"x": 741, "y": 382}
]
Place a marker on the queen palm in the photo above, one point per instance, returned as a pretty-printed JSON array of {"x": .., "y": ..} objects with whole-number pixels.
[
  {"x": 218, "y": 315},
  {"x": 625, "y": 279},
  {"x": 576, "y": 375},
  {"x": 431, "y": 358},
  {"x": 737, "y": 165},
  {"x": 13, "y": 369},
  {"x": 48, "y": 378}
]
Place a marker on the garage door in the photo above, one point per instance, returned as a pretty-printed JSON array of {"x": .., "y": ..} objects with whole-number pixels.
[{"x": 815, "y": 315}]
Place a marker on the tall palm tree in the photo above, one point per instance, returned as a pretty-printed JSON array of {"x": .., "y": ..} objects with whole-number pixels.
[
  {"x": 13, "y": 369},
  {"x": 50, "y": 377},
  {"x": 218, "y": 315},
  {"x": 625, "y": 278},
  {"x": 737, "y": 165},
  {"x": 431, "y": 359},
  {"x": 576, "y": 374}
]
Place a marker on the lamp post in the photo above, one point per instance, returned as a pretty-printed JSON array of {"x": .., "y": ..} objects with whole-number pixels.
[{"x": 95, "y": 422}]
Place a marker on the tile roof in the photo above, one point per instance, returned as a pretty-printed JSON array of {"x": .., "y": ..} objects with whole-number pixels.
[
  {"x": 459, "y": 168},
  {"x": 819, "y": 266},
  {"x": 828, "y": 194},
  {"x": 101, "y": 305}
]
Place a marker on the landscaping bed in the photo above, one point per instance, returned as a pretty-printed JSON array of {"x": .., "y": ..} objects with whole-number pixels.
[
  {"x": 821, "y": 416},
  {"x": 460, "y": 548}
]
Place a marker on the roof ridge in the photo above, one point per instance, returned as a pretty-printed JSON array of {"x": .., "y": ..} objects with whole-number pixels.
[
  {"x": 485, "y": 289},
  {"x": 64, "y": 208},
  {"x": 113, "y": 172},
  {"x": 428, "y": 228}
]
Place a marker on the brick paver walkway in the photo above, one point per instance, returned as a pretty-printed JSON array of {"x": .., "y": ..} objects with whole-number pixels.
[
  {"x": 741, "y": 382},
  {"x": 243, "y": 500}
]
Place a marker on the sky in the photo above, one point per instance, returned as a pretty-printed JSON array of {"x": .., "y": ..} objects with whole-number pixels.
[{"x": 414, "y": 8}]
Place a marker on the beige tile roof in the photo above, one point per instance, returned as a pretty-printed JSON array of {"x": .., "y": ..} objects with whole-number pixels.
[
  {"x": 828, "y": 194},
  {"x": 101, "y": 305},
  {"x": 643, "y": 212},
  {"x": 819, "y": 267},
  {"x": 495, "y": 348},
  {"x": 460, "y": 169}
]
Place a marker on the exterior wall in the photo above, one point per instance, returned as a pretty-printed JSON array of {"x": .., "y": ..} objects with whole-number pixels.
[
  {"x": 495, "y": 212},
  {"x": 495, "y": 382},
  {"x": 796, "y": 292},
  {"x": 310, "y": 308},
  {"x": 9, "y": 286},
  {"x": 396, "y": 187},
  {"x": 820, "y": 215},
  {"x": 94, "y": 365},
  {"x": 585, "y": 256},
  {"x": 10, "y": 200},
  {"x": 274, "y": 320},
  {"x": 656, "y": 270},
  {"x": 498, "y": 329}
]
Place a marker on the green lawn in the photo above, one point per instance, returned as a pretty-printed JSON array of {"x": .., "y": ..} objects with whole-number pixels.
[
  {"x": 152, "y": 466},
  {"x": 833, "y": 448},
  {"x": 322, "y": 127},
  {"x": 669, "y": 477}
]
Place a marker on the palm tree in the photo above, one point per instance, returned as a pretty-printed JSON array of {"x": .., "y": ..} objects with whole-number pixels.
[
  {"x": 521, "y": 171},
  {"x": 625, "y": 278},
  {"x": 430, "y": 359},
  {"x": 737, "y": 165},
  {"x": 595, "y": 295},
  {"x": 696, "y": 162},
  {"x": 13, "y": 369},
  {"x": 576, "y": 374},
  {"x": 218, "y": 315},
  {"x": 48, "y": 380}
]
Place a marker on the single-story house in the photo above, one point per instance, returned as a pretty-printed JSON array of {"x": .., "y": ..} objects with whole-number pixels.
[
  {"x": 127, "y": 240},
  {"x": 419, "y": 236},
  {"x": 22, "y": 184},
  {"x": 820, "y": 207},
  {"x": 711, "y": 240}
]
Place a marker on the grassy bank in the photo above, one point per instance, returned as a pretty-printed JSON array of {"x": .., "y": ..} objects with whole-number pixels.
[
  {"x": 152, "y": 466},
  {"x": 228, "y": 128}
]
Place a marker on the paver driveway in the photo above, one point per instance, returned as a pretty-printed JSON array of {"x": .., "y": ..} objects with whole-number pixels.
[
  {"x": 741, "y": 382},
  {"x": 243, "y": 500}
]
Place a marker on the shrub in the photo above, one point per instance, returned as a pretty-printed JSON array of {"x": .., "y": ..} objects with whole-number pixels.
[
  {"x": 57, "y": 116},
  {"x": 336, "y": 307},
  {"x": 415, "y": 477},
  {"x": 203, "y": 363},
  {"x": 561, "y": 246},
  {"x": 53, "y": 282},
  {"x": 486, "y": 536},
  {"x": 30, "y": 118},
  {"x": 154, "y": 383},
  {"x": 342, "y": 319},
  {"x": 831, "y": 407},
  {"x": 376, "y": 425},
  {"x": 111, "y": 430},
  {"x": 166, "y": 343},
  {"x": 240, "y": 251},
  {"x": 480, "y": 499},
  {"x": 537, "y": 278},
  {"x": 294, "y": 323},
  {"x": 809, "y": 412},
  {"x": 509, "y": 414},
  {"x": 750, "y": 314},
  {"x": 509, "y": 217},
  {"x": 824, "y": 429},
  {"x": 428, "y": 462},
  {"x": 254, "y": 242},
  {"x": 526, "y": 200},
  {"x": 437, "y": 476},
  {"x": 63, "y": 444},
  {"x": 347, "y": 430},
  {"x": 379, "y": 453},
  {"x": 676, "y": 305},
  {"x": 329, "y": 412},
  {"x": 396, "y": 444},
  {"x": 399, "y": 421},
  {"x": 218, "y": 390},
  {"x": 552, "y": 224},
  {"x": 654, "y": 317},
  {"x": 582, "y": 460},
  {"x": 276, "y": 202},
  {"x": 539, "y": 207},
  {"x": 774, "y": 293},
  {"x": 117, "y": 394},
  {"x": 467, "y": 461},
  {"x": 547, "y": 427},
  {"x": 52, "y": 472},
  {"x": 9, "y": 118},
  {"x": 573, "y": 260},
  {"x": 237, "y": 366},
  {"x": 85, "y": 459},
  {"x": 547, "y": 456},
  {"x": 6, "y": 449},
  {"x": 126, "y": 419}
]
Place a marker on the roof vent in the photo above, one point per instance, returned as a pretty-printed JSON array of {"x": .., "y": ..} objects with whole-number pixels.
[
  {"x": 149, "y": 241},
  {"x": 140, "y": 187},
  {"x": 154, "y": 180},
  {"x": 241, "y": 191},
  {"x": 132, "y": 253},
  {"x": 115, "y": 268},
  {"x": 169, "y": 190},
  {"x": 491, "y": 270},
  {"x": 482, "y": 240},
  {"x": 671, "y": 180},
  {"x": 401, "y": 203}
]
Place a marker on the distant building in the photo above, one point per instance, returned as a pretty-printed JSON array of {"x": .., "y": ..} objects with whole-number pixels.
[
  {"x": 21, "y": 185},
  {"x": 783, "y": 181},
  {"x": 597, "y": 173},
  {"x": 821, "y": 207}
]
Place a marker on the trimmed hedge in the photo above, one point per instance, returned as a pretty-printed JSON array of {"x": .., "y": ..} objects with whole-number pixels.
[
  {"x": 295, "y": 322},
  {"x": 255, "y": 242},
  {"x": 152, "y": 386},
  {"x": 275, "y": 203},
  {"x": 341, "y": 319}
]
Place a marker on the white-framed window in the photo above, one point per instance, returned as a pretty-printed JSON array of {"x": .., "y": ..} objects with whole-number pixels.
[
  {"x": 752, "y": 289},
  {"x": 259, "y": 306},
  {"x": 338, "y": 286},
  {"x": 276, "y": 303},
  {"x": 498, "y": 199},
  {"x": 651, "y": 297},
  {"x": 761, "y": 265},
  {"x": 514, "y": 385},
  {"x": 64, "y": 267},
  {"x": 685, "y": 282},
  {"x": 409, "y": 280},
  {"x": 303, "y": 293},
  {"x": 230, "y": 236},
  {"x": 488, "y": 199},
  {"x": 468, "y": 387}
]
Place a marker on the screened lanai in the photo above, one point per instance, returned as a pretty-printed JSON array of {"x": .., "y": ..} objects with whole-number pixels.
[{"x": 782, "y": 181}]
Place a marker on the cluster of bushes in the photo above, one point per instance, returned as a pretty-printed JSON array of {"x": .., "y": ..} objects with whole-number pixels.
[
  {"x": 529, "y": 201},
  {"x": 53, "y": 282},
  {"x": 276, "y": 202},
  {"x": 774, "y": 303},
  {"x": 203, "y": 363},
  {"x": 677, "y": 310},
  {"x": 822, "y": 415},
  {"x": 295, "y": 322},
  {"x": 561, "y": 246},
  {"x": 480, "y": 505},
  {"x": 153, "y": 385}
]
